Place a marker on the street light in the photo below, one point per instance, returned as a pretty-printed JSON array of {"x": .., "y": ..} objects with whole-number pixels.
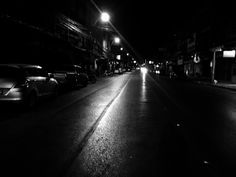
[
  {"x": 105, "y": 17},
  {"x": 117, "y": 40}
]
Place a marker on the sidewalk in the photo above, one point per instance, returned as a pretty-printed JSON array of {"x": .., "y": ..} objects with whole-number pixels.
[
  {"x": 225, "y": 85},
  {"x": 207, "y": 81}
]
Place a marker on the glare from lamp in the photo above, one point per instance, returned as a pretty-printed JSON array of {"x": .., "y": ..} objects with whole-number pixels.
[{"x": 105, "y": 17}]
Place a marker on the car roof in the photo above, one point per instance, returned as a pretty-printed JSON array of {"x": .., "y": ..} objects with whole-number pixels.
[
  {"x": 70, "y": 65},
  {"x": 21, "y": 65},
  {"x": 67, "y": 65},
  {"x": 77, "y": 66}
]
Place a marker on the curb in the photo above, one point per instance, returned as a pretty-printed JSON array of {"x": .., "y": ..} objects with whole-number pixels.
[{"x": 215, "y": 85}]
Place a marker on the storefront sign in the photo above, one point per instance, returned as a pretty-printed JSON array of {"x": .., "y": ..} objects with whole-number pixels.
[
  {"x": 196, "y": 58},
  {"x": 229, "y": 54}
]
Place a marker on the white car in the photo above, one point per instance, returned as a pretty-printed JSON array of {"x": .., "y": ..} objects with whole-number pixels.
[{"x": 25, "y": 83}]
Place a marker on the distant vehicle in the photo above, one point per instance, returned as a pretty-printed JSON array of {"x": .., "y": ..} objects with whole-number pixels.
[
  {"x": 25, "y": 83},
  {"x": 173, "y": 75},
  {"x": 156, "y": 71},
  {"x": 70, "y": 75},
  {"x": 143, "y": 69},
  {"x": 128, "y": 68},
  {"x": 118, "y": 71}
]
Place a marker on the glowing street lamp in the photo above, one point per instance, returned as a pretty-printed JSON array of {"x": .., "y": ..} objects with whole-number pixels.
[
  {"x": 117, "y": 40},
  {"x": 118, "y": 57},
  {"x": 105, "y": 17},
  {"x": 121, "y": 48}
]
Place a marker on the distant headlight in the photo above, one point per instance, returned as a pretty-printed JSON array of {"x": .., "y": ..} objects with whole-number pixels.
[
  {"x": 144, "y": 70},
  {"x": 157, "y": 72}
]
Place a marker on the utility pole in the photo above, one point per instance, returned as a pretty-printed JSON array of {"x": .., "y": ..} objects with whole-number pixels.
[
  {"x": 217, "y": 49},
  {"x": 213, "y": 66}
]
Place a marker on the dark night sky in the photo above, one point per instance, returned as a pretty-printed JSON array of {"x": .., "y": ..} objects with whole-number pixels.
[
  {"x": 148, "y": 25},
  {"x": 151, "y": 24}
]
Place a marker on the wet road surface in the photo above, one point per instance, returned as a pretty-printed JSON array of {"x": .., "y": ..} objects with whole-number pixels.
[
  {"x": 127, "y": 125},
  {"x": 141, "y": 135}
]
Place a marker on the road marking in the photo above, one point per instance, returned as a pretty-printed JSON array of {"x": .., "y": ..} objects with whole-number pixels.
[
  {"x": 77, "y": 101},
  {"x": 63, "y": 108},
  {"x": 90, "y": 132}
]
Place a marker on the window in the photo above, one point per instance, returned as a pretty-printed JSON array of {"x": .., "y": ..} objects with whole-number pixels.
[{"x": 36, "y": 72}]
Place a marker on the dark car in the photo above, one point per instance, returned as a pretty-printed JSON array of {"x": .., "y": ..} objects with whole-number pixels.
[
  {"x": 128, "y": 68},
  {"x": 25, "y": 83},
  {"x": 70, "y": 75}
]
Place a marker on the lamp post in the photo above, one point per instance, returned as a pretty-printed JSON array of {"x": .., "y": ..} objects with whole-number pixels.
[
  {"x": 214, "y": 50},
  {"x": 105, "y": 19},
  {"x": 213, "y": 67},
  {"x": 108, "y": 41},
  {"x": 101, "y": 27},
  {"x": 115, "y": 52},
  {"x": 115, "y": 42}
]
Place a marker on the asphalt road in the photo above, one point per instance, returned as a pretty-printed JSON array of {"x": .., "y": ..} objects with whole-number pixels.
[{"x": 126, "y": 125}]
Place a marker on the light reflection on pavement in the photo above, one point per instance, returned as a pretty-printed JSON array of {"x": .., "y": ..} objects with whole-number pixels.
[
  {"x": 55, "y": 129},
  {"x": 130, "y": 126}
]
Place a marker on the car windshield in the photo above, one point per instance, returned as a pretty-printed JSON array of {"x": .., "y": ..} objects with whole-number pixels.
[{"x": 10, "y": 72}]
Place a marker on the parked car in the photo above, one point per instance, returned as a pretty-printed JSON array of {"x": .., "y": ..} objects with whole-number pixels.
[
  {"x": 25, "y": 83},
  {"x": 70, "y": 75},
  {"x": 118, "y": 70},
  {"x": 128, "y": 68},
  {"x": 173, "y": 75},
  {"x": 92, "y": 77}
]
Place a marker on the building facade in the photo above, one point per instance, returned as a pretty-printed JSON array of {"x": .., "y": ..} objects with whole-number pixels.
[
  {"x": 211, "y": 34},
  {"x": 49, "y": 32}
]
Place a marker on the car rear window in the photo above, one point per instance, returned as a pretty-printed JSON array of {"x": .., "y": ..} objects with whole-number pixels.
[
  {"x": 32, "y": 71},
  {"x": 10, "y": 72}
]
